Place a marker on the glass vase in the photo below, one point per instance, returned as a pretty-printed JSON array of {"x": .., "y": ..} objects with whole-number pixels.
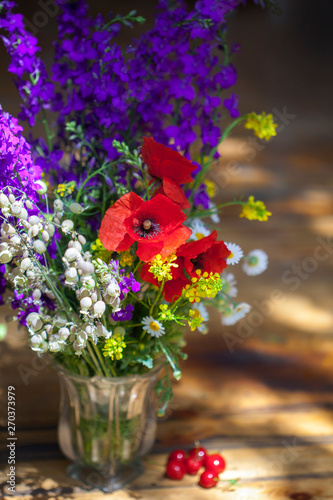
[{"x": 106, "y": 425}]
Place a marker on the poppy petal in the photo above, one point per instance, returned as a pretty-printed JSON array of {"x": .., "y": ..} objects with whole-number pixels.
[
  {"x": 165, "y": 162},
  {"x": 113, "y": 233},
  {"x": 175, "y": 193}
]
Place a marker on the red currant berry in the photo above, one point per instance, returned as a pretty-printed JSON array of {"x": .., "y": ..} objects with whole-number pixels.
[
  {"x": 215, "y": 463},
  {"x": 192, "y": 466},
  {"x": 198, "y": 454},
  {"x": 175, "y": 470},
  {"x": 208, "y": 479},
  {"x": 178, "y": 455}
]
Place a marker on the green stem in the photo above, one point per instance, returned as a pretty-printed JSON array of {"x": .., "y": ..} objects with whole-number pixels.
[
  {"x": 157, "y": 298},
  {"x": 101, "y": 360},
  {"x": 138, "y": 300},
  {"x": 47, "y": 130},
  {"x": 88, "y": 179},
  {"x": 93, "y": 357}
]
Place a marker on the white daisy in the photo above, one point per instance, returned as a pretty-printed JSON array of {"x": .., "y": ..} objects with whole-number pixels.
[
  {"x": 231, "y": 316},
  {"x": 199, "y": 230},
  {"x": 204, "y": 314},
  {"x": 215, "y": 215},
  {"x": 255, "y": 262},
  {"x": 229, "y": 284},
  {"x": 153, "y": 327},
  {"x": 235, "y": 255}
]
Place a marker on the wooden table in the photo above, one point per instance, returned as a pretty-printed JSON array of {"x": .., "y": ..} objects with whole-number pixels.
[{"x": 267, "y": 406}]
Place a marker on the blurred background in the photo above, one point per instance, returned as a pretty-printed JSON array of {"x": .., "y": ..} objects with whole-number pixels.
[{"x": 282, "y": 353}]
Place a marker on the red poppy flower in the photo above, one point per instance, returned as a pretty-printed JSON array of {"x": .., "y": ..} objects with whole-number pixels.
[
  {"x": 171, "y": 167},
  {"x": 206, "y": 254},
  {"x": 156, "y": 224}
]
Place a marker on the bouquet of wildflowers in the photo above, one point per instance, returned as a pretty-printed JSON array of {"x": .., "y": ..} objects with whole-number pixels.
[{"x": 104, "y": 253}]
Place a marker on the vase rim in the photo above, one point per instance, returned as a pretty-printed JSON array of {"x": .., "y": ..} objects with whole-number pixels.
[{"x": 119, "y": 380}]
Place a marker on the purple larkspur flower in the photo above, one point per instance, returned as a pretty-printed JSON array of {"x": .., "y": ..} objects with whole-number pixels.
[
  {"x": 231, "y": 104},
  {"x": 124, "y": 314}
]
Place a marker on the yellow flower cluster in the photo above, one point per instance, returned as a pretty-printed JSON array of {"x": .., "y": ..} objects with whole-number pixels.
[
  {"x": 166, "y": 314},
  {"x": 161, "y": 269},
  {"x": 210, "y": 188},
  {"x": 255, "y": 210},
  {"x": 65, "y": 189},
  {"x": 263, "y": 125},
  {"x": 195, "y": 319},
  {"x": 100, "y": 252},
  {"x": 205, "y": 285},
  {"x": 125, "y": 258},
  {"x": 114, "y": 346}
]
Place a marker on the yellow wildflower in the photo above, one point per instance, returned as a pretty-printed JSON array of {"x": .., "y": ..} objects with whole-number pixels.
[
  {"x": 161, "y": 269},
  {"x": 255, "y": 210},
  {"x": 114, "y": 346},
  {"x": 205, "y": 285},
  {"x": 195, "y": 319},
  {"x": 100, "y": 252},
  {"x": 210, "y": 188},
  {"x": 65, "y": 189},
  {"x": 126, "y": 258},
  {"x": 262, "y": 125}
]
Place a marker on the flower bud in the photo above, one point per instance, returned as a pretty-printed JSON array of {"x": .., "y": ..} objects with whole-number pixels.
[
  {"x": 40, "y": 187},
  {"x": 36, "y": 340},
  {"x": 76, "y": 208},
  {"x": 25, "y": 264},
  {"x": 31, "y": 317},
  {"x": 54, "y": 346},
  {"x": 102, "y": 331},
  {"x": 99, "y": 308},
  {"x": 36, "y": 294},
  {"x": 36, "y": 324},
  {"x": 82, "y": 239},
  {"x": 4, "y": 202},
  {"x": 67, "y": 225},
  {"x": 26, "y": 224},
  {"x": 49, "y": 329},
  {"x": 28, "y": 204},
  {"x": 23, "y": 215},
  {"x": 11, "y": 198},
  {"x": 90, "y": 329},
  {"x": 86, "y": 267},
  {"x": 85, "y": 303},
  {"x": 33, "y": 219},
  {"x": 8, "y": 228},
  {"x": 39, "y": 246},
  {"x": 113, "y": 289},
  {"x": 58, "y": 205},
  {"x": 64, "y": 333},
  {"x": 45, "y": 236},
  {"x": 71, "y": 254},
  {"x": 5, "y": 257},
  {"x": 16, "y": 208},
  {"x": 33, "y": 231},
  {"x": 77, "y": 245},
  {"x": 71, "y": 275},
  {"x": 50, "y": 229}
]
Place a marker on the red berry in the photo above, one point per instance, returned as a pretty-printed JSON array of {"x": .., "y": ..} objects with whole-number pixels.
[
  {"x": 208, "y": 479},
  {"x": 198, "y": 453},
  {"x": 193, "y": 466},
  {"x": 178, "y": 455},
  {"x": 175, "y": 470},
  {"x": 215, "y": 463}
]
